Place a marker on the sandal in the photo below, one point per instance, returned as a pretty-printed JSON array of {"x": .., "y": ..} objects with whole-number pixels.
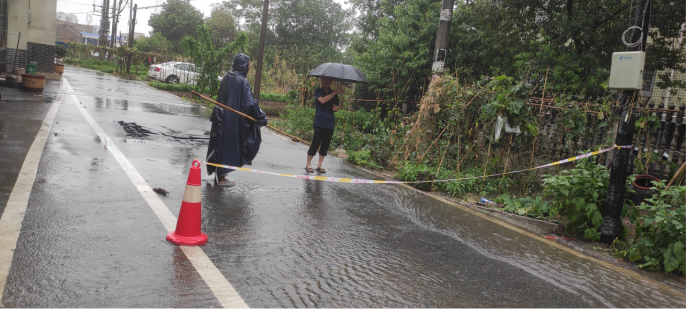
[
  {"x": 321, "y": 170},
  {"x": 309, "y": 169}
]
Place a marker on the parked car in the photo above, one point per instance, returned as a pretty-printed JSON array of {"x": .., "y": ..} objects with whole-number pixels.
[{"x": 174, "y": 72}]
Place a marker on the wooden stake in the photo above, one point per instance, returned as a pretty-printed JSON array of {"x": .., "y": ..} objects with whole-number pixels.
[{"x": 246, "y": 116}]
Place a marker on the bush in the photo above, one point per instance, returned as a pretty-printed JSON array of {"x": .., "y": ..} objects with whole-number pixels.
[
  {"x": 660, "y": 233},
  {"x": 172, "y": 87},
  {"x": 275, "y": 97},
  {"x": 409, "y": 171},
  {"x": 525, "y": 206},
  {"x": 578, "y": 194},
  {"x": 60, "y": 51},
  {"x": 462, "y": 187},
  {"x": 363, "y": 157}
]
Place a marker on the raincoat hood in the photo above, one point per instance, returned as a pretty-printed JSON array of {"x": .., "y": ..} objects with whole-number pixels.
[{"x": 241, "y": 64}]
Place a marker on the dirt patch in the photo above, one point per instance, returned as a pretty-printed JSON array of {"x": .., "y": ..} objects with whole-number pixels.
[{"x": 180, "y": 94}]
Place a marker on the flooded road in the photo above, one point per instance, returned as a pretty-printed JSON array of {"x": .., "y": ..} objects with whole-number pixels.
[{"x": 89, "y": 238}]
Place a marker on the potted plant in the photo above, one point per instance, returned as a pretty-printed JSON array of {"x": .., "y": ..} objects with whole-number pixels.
[{"x": 60, "y": 53}]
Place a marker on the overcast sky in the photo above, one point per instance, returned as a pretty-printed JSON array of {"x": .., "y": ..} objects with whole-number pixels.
[{"x": 81, "y": 8}]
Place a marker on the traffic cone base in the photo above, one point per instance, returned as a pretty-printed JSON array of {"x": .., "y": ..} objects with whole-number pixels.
[
  {"x": 187, "y": 240},
  {"x": 187, "y": 231}
]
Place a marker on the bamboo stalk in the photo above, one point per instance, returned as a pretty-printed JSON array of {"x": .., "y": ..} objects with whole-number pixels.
[
  {"x": 485, "y": 165},
  {"x": 434, "y": 142},
  {"x": 247, "y": 116},
  {"x": 543, "y": 95},
  {"x": 446, "y": 150},
  {"x": 678, "y": 173}
]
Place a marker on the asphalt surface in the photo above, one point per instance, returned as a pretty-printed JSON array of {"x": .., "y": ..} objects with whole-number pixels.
[{"x": 89, "y": 238}]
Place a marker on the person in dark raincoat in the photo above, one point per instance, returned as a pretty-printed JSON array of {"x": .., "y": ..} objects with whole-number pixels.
[{"x": 234, "y": 140}]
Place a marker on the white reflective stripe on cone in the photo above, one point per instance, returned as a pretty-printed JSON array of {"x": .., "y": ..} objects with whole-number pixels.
[{"x": 192, "y": 194}]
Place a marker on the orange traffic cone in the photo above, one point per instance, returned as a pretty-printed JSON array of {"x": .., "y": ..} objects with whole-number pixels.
[{"x": 188, "y": 225}]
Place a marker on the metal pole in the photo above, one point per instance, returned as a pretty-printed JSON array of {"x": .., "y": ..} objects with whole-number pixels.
[
  {"x": 614, "y": 200},
  {"x": 260, "y": 51},
  {"x": 443, "y": 36}
]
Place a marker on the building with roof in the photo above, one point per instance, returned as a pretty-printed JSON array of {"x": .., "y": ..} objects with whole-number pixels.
[{"x": 37, "y": 25}]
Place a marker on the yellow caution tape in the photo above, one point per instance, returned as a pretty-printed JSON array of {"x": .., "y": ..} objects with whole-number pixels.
[{"x": 353, "y": 180}]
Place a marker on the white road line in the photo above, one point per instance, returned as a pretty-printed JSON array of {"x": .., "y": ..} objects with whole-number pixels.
[
  {"x": 13, "y": 216},
  {"x": 221, "y": 288}
]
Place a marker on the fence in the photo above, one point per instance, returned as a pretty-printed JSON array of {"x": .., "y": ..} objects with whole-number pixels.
[{"x": 659, "y": 148}]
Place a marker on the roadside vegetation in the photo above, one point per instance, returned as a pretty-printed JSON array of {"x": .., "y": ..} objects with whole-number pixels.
[{"x": 523, "y": 87}]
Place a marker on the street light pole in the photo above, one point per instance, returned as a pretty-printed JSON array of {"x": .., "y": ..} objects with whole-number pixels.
[
  {"x": 614, "y": 200},
  {"x": 260, "y": 50}
]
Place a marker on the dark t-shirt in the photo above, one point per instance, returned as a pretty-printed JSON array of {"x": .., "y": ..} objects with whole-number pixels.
[{"x": 324, "y": 117}]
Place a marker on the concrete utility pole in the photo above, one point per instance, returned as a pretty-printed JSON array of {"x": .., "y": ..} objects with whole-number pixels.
[
  {"x": 114, "y": 22},
  {"x": 132, "y": 28},
  {"x": 104, "y": 23},
  {"x": 443, "y": 36},
  {"x": 614, "y": 201},
  {"x": 260, "y": 51}
]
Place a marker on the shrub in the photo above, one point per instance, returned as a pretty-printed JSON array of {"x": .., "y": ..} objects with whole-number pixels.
[
  {"x": 363, "y": 157},
  {"x": 578, "y": 194},
  {"x": 172, "y": 87},
  {"x": 410, "y": 171},
  {"x": 275, "y": 97},
  {"x": 660, "y": 233},
  {"x": 525, "y": 206}
]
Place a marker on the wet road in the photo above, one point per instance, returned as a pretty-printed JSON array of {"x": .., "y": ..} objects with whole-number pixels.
[{"x": 89, "y": 238}]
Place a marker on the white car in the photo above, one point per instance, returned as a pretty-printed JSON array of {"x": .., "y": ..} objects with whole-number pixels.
[{"x": 174, "y": 72}]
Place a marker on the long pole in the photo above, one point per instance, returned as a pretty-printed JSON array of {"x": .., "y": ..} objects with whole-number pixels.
[
  {"x": 443, "y": 36},
  {"x": 260, "y": 50},
  {"x": 614, "y": 200},
  {"x": 114, "y": 23},
  {"x": 246, "y": 116},
  {"x": 132, "y": 28}
]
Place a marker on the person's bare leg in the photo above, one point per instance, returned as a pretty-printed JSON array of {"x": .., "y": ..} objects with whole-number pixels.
[
  {"x": 309, "y": 160},
  {"x": 321, "y": 159}
]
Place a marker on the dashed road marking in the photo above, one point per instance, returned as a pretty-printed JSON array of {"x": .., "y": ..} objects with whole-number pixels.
[{"x": 220, "y": 287}]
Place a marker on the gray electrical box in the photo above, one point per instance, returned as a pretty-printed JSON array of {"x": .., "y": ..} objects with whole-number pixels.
[{"x": 626, "y": 72}]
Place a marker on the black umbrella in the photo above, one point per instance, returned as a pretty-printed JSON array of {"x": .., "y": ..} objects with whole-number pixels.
[{"x": 339, "y": 71}]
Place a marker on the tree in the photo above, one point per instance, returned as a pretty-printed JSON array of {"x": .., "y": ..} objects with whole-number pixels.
[
  {"x": 221, "y": 25},
  {"x": 177, "y": 19},
  {"x": 399, "y": 63},
  {"x": 156, "y": 43},
  {"x": 209, "y": 60}
]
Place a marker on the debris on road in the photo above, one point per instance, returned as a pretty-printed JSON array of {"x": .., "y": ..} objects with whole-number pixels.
[{"x": 159, "y": 190}]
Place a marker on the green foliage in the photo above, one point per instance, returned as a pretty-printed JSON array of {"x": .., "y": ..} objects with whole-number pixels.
[
  {"x": 177, "y": 19},
  {"x": 363, "y": 157},
  {"x": 274, "y": 97},
  {"x": 60, "y": 51},
  {"x": 156, "y": 44},
  {"x": 578, "y": 194},
  {"x": 208, "y": 58},
  {"x": 172, "y": 87},
  {"x": 660, "y": 231},
  {"x": 221, "y": 25},
  {"x": 398, "y": 62},
  {"x": 462, "y": 187},
  {"x": 103, "y": 66},
  {"x": 534, "y": 207},
  {"x": 299, "y": 121},
  {"x": 410, "y": 171}
]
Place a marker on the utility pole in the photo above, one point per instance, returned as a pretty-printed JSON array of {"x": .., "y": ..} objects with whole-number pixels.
[
  {"x": 104, "y": 23},
  {"x": 614, "y": 201},
  {"x": 260, "y": 50},
  {"x": 443, "y": 36},
  {"x": 132, "y": 28},
  {"x": 114, "y": 22}
]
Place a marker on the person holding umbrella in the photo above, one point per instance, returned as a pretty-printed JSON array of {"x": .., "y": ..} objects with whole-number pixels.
[{"x": 326, "y": 103}]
